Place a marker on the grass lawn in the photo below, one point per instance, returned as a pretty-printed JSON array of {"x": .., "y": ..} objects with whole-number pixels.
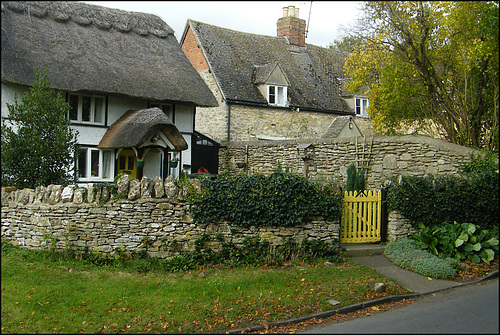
[{"x": 40, "y": 295}]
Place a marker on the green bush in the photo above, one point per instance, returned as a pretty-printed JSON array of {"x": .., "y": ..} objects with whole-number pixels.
[
  {"x": 355, "y": 179},
  {"x": 471, "y": 197},
  {"x": 39, "y": 146},
  {"x": 459, "y": 241},
  {"x": 282, "y": 198},
  {"x": 406, "y": 254}
]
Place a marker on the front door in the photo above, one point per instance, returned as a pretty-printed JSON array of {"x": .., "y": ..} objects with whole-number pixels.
[{"x": 126, "y": 163}]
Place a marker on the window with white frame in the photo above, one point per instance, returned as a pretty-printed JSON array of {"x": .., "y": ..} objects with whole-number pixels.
[
  {"x": 95, "y": 164},
  {"x": 361, "y": 106},
  {"x": 87, "y": 108},
  {"x": 277, "y": 95}
]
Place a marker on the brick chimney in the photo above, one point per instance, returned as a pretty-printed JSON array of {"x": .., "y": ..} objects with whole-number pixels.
[{"x": 291, "y": 27}]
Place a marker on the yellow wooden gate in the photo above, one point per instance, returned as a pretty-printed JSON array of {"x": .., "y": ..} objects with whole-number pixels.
[{"x": 361, "y": 217}]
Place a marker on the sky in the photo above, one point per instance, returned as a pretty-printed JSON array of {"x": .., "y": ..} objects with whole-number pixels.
[{"x": 324, "y": 18}]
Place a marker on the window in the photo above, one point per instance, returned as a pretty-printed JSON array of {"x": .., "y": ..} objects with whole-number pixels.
[
  {"x": 95, "y": 164},
  {"x": 167, "y": 109},
  {"x": 86, "y": 108},
  {"x": 361, "y": 107},
  {"x": 277, "y": 95}
]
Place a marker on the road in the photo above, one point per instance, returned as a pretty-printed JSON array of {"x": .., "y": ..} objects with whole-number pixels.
[{"x": 468, "y": 309}]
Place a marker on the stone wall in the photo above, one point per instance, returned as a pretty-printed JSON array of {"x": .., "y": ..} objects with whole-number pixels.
[
  {"x": 382, "y": 156},
  {"x": 399, "y": 226},
  {"x": 153, "y": 216}
]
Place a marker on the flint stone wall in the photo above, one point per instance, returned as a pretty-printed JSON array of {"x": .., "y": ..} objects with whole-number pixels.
[{"x": 154, "y": 216}]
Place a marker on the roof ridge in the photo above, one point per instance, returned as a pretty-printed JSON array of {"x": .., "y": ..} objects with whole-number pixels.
[
  {"x": 236, "y": 31},
  {"x": 85, "y": 14}
]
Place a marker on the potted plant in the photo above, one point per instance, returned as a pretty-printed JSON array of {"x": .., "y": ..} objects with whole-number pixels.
[
  {"x": 173, "y": 162},
  {"x": 140, "y": 162}
]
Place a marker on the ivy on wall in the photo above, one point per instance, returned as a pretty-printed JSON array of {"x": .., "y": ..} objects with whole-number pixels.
[
  {"x": 472, "y": 196},
  {"x": 279, "y": 199}
]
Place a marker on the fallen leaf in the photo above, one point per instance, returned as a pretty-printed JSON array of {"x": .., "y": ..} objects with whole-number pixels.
[
  {"x": 375, "y": 308},
  {"x": 429, "y": 278}
]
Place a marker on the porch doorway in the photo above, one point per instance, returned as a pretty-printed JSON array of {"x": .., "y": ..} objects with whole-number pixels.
[{"x": 126, "y": 163}]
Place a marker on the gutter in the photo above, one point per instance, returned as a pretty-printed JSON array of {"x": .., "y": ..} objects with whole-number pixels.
[{"x": 309, "y": 109}]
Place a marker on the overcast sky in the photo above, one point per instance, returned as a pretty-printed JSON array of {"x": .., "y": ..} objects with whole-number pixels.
[{"x": 257, "y": 17}]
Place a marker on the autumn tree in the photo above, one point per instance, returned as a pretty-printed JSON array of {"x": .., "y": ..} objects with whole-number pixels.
[
  {"x": 432, "y": 62},
  {"x": 38, "y": 145}
]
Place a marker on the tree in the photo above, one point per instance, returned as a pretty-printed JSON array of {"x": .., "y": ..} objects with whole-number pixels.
[
  {"x": 38, "y": 145},
  {"x": 431, "y": 62}
]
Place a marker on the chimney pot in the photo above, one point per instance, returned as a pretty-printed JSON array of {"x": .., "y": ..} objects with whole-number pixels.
[
  {"x": 291, "y": 11},
  {"x": 285, "y": 11}
]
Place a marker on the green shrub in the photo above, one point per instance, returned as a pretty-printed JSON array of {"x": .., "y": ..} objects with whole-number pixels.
[
  {"x": 459, "y": 241},
  {"x": 282, "y": 198},
  {"x": 39, "y": 145},
  {"x": 355, "y": 179},
  {"x": 406, "y": 254},
  {"x": 478, "y": 165},
  {"x": 473, "y": 198}
]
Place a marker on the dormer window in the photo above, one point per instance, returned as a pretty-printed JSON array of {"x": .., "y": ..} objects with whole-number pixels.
[
  {"x": 361, "y": 107},
  {"x": 272, "y": 83},
  {"x": 277, "y": 95}
]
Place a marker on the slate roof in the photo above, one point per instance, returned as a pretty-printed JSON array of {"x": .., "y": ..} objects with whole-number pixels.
[
  {"x": 262, "y": 72},
  {"x": 233, "y": 56},
  {"x": 97, "y": 49},
  {"x": 338, "y": 125},
  {"x": 135, "y": 127}
]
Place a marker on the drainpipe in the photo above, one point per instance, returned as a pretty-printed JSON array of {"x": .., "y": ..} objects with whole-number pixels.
[
  {"x": 228, "y": 121},
  {"x": 246, "y": 159}
]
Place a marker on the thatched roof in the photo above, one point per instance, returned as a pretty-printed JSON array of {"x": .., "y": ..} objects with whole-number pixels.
[
  {"x": 92, "y": 48},
  {"x": 239, "y": 59},
  {"x": 136, "y": 127}
]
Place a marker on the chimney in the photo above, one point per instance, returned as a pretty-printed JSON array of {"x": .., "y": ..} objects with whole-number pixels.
[{"x": 291, "y": 27}]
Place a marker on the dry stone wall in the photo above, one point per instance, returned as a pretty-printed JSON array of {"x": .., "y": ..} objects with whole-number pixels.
[
  {"x": 399, "y": 226},
  {"x": 153, "y": 215},
  {"x": 382, "y": 156}
]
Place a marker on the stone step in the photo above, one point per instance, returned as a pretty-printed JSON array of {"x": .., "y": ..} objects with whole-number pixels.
[{"x": 362, "y": 249}]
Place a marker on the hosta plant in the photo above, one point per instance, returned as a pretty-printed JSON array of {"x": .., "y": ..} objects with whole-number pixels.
[{"x": 460, "y": 241}]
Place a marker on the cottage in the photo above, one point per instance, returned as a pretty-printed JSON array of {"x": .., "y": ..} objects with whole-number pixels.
[
  {"x": 271, "y": 87},
  {"x": 132, "y": 91}
]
